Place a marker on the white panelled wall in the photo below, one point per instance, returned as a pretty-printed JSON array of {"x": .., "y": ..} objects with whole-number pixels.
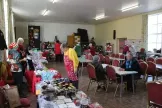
[{"x": 50, "y": 30}]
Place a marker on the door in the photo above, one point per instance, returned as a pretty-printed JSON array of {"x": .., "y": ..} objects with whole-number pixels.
[{"x": 121, "y": 44}]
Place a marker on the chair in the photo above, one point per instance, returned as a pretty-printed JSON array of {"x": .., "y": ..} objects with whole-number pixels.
[
  {"x": 139, "y": 61},
  {"x": 102, "y": 58},
  {"x": 159, "y": 61},
  {"x": 154, "y": 94},
  {"x": 122, "y": 56},
  {"x": 116, "y": 55},
  {"x": 107, "y": 60},
  {"x": 112, "y": 55},
  {"x": 111, "y": 74},
  {"x": 144, "y": 67},
  {"x": 159, "y": 71},
  {"x": 92, "y": 75},
  {"x": 116, "y": 63},
  {"x": 90, "y": 57},
  {"x": 150, "y": 59},
  {"x": 151, "y": 71}
]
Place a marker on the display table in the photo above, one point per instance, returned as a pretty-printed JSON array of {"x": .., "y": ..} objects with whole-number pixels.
[
  {"x": 32, "y": 79},
  {"x": 60, "y": 93}
]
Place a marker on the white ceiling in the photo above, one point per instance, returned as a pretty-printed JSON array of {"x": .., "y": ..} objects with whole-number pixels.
[{"x": 78, "y": 11}]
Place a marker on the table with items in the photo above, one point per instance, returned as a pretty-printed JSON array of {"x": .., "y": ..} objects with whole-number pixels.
[{"x": 60, "y": 93}]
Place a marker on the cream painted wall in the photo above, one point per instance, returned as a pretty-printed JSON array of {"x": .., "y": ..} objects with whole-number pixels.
[
  {"x": 50, "y": 30},
  {"x": 130, "y": 28}
]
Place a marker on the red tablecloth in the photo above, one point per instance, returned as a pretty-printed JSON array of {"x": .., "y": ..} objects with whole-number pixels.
[{"x": 32, "y": 79}]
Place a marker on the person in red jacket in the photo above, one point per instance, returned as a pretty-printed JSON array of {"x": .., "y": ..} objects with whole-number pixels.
[
  {"x": 92, "y": 49},
  {"x": 58, "y": 51}
]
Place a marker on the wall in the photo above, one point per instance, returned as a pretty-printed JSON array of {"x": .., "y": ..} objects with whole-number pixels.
[
  {"x": 50, "y": 30},
  {"x": 130, "y": 28}
]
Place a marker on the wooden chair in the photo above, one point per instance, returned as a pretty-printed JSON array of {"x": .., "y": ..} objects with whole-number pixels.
[
  {"x": 92, "y": 75},
  {"x": 116, "y": 63},
  {"x": 150, "y": 59},
  {"x": 144, "y": 67},
  {"x": 116, "y": 55},
  {"x": 122, "y": 56},
  {"x": 107, "y": 60},
  {"x": 111, "y": 75},
  {"x": 154, "y": 94},
  {"x": 102, "y": 58},
  {"x": 151, "y": 71}
]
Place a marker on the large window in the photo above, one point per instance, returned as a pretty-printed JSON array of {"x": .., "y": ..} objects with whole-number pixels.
[{"x": 155, "y": 31}]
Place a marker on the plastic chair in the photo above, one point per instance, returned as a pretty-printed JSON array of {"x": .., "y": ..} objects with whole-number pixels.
[
  {"x": 116, "y": 55},
  {"x": 107, "y": 60},
  {"x": 116, "y": 63},
  {"x": 151, "y": 71},
  {"x": 150, "y": 59},
  {"x": 143, "y": 67},
  {"x": 92, "y": 75},
  {"x": 111, "y": 74},
  {"x": 154, "y": 94}
]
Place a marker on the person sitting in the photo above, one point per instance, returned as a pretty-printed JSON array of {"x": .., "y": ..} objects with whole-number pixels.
[
  {"x": 131, "y": 64},
  {"x": 100, "y": 72}
]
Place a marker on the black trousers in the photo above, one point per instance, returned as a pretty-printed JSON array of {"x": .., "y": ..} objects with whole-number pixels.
[
  {"x": 59, "y": 57},
  {"x": 75, "y": 84},
  {"x": 18, "y": 79}
]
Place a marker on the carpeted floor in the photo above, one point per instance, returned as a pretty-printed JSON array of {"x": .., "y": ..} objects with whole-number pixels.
[{"x": 107, "y": 100}]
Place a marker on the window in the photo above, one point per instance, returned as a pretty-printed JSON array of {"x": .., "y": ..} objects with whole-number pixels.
[{"x": 154, "y": 31}]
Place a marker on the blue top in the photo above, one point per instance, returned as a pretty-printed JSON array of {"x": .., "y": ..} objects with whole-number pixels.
[
  {"x": 16, "y": 57},
  {"x": 128, "y": 64}
]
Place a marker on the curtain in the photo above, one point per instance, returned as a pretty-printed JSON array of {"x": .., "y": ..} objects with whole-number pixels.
[{"x": 145, "y": 31}]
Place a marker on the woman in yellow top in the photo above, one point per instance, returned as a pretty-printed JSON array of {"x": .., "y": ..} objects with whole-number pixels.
[{"x": 71, "y": 63}]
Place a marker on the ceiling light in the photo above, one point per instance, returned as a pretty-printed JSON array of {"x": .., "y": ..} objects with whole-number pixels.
[
  {"x": 130, "y": 7},
  {"x": 54, "y": 1},
  {"x": 100, "y": 16},
  {"x": 45, "y": 12}
]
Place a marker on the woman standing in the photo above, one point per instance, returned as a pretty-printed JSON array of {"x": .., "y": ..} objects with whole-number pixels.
[
  {"x": 71, "y": 63},
  {"x": 58, "y": 51},
  {"x": 16, "y": 68}
]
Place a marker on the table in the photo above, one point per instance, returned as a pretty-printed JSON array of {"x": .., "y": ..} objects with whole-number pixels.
[
  {"x": 159, "y": 66},
  {"x": 113, "y": 58},
  {"x": 122, "y": 73},
  {"x": 33, "y": 79},
  {"x": 82, "y": 60}
]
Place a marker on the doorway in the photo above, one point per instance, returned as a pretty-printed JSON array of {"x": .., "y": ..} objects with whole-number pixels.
[{"x": 121, "y": 44}]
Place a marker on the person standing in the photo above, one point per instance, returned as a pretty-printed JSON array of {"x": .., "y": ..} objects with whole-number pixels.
[
  {"x": 21, "y": 50},
  {"x": 78, "y": 49},
  {"x": 3, "y": 57},
  {"x": 92, "y": 49},
  {"x": 16, "y": 66},
  {"x": 58, "y": 51},
  {"x": 71, "y": 63}
]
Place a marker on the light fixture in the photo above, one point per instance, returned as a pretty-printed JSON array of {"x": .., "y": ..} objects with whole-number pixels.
[
  {"x": 45, "y": 12},
  {"x": 100, "y": 16},
  {"x": 54, "y": 1},
  {"x": 130, "y": 7}
]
